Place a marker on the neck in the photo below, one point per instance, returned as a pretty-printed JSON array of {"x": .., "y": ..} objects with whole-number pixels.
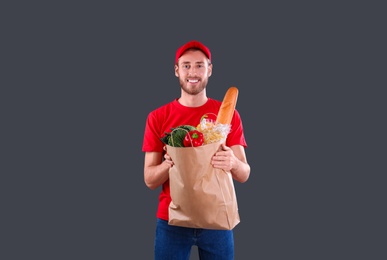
[{"x": 193, "y": 100}]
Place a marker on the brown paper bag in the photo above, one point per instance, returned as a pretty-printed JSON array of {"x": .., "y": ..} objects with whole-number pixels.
[{"x": 202, "y": 196}]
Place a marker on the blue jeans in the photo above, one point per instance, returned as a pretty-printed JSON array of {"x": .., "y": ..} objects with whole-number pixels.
[{"x": 173, "y": 242}]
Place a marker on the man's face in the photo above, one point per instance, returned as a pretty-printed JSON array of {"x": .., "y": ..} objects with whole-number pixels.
[{"x": 193, "y": 71}]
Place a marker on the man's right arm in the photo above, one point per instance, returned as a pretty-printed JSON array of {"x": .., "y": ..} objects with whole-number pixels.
[{"x": 156, "y": 170}]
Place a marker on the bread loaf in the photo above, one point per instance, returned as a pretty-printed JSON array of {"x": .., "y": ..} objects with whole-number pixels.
[{"x": 227, "y": 107}]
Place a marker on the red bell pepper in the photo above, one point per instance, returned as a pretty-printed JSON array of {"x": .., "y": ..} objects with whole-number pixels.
[{"x": 193, "y": 138}]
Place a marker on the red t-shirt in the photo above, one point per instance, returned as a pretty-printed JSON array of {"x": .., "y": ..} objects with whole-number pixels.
[{"x": 173, "y": 114}]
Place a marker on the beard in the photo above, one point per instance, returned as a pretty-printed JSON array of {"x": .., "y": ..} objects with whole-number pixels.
[{"x": 187, "y": 88}]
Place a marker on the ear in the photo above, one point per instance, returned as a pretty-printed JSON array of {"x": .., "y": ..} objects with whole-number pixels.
[
  {"x": 176, "y": 71},
  {"x": 209, "y": 70}
]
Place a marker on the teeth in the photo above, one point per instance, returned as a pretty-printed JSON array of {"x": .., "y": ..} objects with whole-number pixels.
[{"x": 192, "y": 80}]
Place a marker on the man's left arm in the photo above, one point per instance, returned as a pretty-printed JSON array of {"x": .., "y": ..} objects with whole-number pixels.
[{"x": 233, "y": 159}]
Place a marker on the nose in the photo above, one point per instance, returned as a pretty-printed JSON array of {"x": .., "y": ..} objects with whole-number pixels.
[{"x": 192, "y": 71}]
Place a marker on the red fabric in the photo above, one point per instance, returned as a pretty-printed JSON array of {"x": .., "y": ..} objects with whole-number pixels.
[
  {"x": 173, "y": 114},
  {"x": 192, "y": 44}
]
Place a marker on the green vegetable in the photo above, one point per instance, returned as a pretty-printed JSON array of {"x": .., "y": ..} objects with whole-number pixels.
[{"x": 176, "y": 136}]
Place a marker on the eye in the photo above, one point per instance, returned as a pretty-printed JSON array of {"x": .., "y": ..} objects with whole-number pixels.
[{"x": 186, "y": 66}]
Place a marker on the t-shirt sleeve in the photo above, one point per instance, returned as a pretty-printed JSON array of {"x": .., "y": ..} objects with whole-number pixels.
[
  {"x": 236, "y": 135},
  {"x": 152, "y": 141}
]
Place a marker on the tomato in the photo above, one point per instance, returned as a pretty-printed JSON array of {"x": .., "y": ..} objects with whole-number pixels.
[{"x": 193, "y": 138}]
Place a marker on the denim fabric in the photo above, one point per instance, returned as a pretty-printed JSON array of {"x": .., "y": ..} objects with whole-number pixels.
[{"x": 173, "y": 242}]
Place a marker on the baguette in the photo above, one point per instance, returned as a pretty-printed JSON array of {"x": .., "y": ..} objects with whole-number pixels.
[{"x": 226, "y": 110}]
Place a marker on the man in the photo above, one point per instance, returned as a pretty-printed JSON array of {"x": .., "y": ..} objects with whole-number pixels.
[{"x": 193, "y": 67}]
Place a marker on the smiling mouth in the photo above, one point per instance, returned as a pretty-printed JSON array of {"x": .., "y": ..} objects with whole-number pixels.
[{"x": 193, "y": 80}]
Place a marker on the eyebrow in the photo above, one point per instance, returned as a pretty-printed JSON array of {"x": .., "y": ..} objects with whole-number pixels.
[{"x": 197, "y": 62}]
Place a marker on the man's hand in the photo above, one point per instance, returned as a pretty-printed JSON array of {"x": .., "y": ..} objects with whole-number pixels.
[
  {"x": 224, "y": 159},
  {"x": 168, "y": 160}
]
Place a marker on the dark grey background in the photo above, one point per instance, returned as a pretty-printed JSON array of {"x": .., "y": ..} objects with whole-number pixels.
[{"x": 78, "y": 81}]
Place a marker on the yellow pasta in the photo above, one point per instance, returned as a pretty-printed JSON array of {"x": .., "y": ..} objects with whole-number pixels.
[{"x": 213, "y": 132}]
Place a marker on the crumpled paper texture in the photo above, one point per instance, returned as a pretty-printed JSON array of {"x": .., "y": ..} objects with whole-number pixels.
[{"x": 202, "y": 196}]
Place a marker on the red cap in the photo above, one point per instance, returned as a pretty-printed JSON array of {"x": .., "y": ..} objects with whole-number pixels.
[{"x": 195, "y": 45}]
